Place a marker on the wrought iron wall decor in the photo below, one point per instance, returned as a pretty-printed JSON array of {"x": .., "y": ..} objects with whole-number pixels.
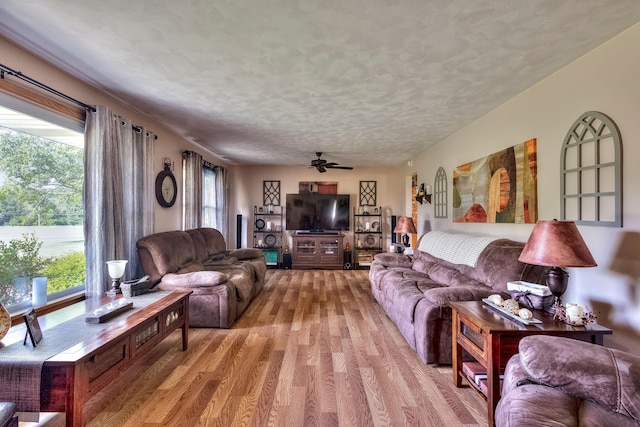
[
  {"x": 591, "y": 172},
  {"x": 271, "y": 193},
  {"x": 368, "y": 193},
  {"x": 440, "y": 194}
]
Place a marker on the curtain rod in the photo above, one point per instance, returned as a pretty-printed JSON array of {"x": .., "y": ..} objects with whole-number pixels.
[{"x": 10, "y": 71}]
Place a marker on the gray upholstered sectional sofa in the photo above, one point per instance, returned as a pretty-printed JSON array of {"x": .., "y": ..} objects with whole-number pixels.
[
  {"x": 414, "y": 289},
  {"x": 223, "y": 282},
  {"x": 556, "y": 381}
]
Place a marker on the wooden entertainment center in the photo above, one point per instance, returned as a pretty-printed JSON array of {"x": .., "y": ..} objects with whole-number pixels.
[{"x": 322, "y": 250}]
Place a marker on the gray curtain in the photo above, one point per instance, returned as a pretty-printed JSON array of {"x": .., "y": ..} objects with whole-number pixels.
[
  {"x": 192, "y": 190},
  {"x": 222, "y": 201},
  {"x": 118, "y": 194}
]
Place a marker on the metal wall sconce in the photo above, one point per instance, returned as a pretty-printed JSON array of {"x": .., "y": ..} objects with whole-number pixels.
[{"x": 424, "y": 194}]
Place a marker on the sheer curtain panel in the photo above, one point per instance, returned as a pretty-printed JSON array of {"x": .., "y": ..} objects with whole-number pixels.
[
  {"x": 117, "y": 194},
  {"x": 192, "y": 190},
  {"x": 222, "y": 201}
]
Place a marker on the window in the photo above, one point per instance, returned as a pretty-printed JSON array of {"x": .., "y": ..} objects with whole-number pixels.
[
  {"x": 41, "y": 207},
  {"x": 209, "y": 196}
]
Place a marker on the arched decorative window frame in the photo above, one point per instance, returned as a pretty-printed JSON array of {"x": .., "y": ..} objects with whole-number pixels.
[
  {"x": 591, "y": 129},
  {"x": 440, "y": 205}
]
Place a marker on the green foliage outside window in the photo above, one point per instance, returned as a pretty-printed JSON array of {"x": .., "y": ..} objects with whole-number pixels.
[
  {"x": 65, "y": 272},
  {"x": 41, "y": 181},
  {"x": 40, "y": 185}
]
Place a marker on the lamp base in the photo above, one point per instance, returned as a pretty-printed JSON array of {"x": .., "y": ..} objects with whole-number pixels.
[
  {"x": 557, "y": 280},
  {"x": 115, "y": 288},
  {"x": 405, "y": 240}
]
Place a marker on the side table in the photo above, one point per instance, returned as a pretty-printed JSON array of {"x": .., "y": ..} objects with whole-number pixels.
[{"x": 491, "y": 339}]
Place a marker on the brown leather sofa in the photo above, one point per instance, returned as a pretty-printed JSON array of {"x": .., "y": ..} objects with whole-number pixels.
[
  {"x": 555, "y": 381},
  {"x": 414, "y": 289},
  {"x": 223, "y": 281}
]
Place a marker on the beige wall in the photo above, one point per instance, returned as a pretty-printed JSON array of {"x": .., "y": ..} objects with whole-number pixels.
[
  {"x": 168, "y": 144},
  {"x": 605, "y": 80},
  {"x": 247, "y": 190}
]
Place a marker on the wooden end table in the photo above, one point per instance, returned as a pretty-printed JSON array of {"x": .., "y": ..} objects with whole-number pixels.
[{"x": 491, "y": 338}]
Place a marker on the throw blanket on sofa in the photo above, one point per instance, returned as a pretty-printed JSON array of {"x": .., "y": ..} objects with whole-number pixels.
[{"x": 454, "y": 248}]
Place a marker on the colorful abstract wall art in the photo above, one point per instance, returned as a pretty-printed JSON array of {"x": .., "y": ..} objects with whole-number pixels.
[{"x": 499, "y": 188}]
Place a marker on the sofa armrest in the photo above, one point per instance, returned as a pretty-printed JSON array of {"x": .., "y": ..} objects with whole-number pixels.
[
  {"x": 442, "y": 295},
  {"x": 591, "y": 372},
  {"x": 246, "y": 253},
  {"x": 197, "y": 279},
  {"x": 390, "y": 260}
]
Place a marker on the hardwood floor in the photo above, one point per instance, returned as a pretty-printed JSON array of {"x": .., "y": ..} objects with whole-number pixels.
[{"x": 313, "y": 349}]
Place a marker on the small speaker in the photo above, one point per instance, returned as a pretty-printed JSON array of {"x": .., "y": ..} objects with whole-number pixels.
[
  {"x": 347, "y": 260},
  {"x": 394, "y": 236},
  {"x": 238, "y": 231},
  {"x": 286, "y": 261}
]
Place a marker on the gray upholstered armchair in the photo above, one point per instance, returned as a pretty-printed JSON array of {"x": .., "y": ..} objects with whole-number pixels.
[{"x": 556, "y": 381}]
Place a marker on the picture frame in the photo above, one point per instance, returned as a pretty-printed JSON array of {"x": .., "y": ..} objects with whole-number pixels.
[{"x": 33, "y": 328}]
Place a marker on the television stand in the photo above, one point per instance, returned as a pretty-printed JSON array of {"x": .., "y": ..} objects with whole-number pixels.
[
  {"x": 318, "y": 232},
  {"x": 321, "y": 251}
]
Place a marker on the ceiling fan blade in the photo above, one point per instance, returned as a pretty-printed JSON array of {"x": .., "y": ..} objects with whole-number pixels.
[
  {"x": 321, "y": 169},
  {"x": 340, "y": 167}
]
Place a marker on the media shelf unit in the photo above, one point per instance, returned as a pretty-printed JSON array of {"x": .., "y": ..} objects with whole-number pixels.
[
  {"x": 317, "y": 250},
  {"x": 367, "y": 237},
  {"x": 267, "y": 234}
]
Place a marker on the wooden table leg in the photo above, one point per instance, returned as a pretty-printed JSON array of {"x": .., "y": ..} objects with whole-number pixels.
[
  {"x": 456, "y": 356},
  {"x": 493, "y": 376},
  {"x": 185, "y": 326}
]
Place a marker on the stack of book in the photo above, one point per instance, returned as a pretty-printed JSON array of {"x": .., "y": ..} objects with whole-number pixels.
[{"x": 478, "y": 374}]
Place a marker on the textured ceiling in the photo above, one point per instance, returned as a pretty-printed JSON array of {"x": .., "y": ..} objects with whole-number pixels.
[{"x": 368, "y": 82}]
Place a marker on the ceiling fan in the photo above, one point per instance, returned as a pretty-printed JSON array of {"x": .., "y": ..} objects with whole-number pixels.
[{"x": 322, "y": 165}]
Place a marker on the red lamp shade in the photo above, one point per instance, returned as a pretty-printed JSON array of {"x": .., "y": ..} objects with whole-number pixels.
[
  {"x": 405, "y": 225},
  {"x": 557, "y": 244}
]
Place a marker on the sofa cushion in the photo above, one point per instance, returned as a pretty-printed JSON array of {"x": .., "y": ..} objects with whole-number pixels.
[
  {"x": 194, "y": 279},
  {"x": 393, "y": 260},
  {"x": 613, "y": 384},
  {"x": 214, "y": 241},
  {"x": 169, "y": 250},
  {"x": 498, "y": 264},
  {"x": 199, "y": 245},
  {"x": 246, "y": 253},
  {"x": 442, "y": 295}
]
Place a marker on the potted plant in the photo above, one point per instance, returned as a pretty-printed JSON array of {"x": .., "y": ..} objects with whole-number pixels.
[{"x": 20, "y": 261}]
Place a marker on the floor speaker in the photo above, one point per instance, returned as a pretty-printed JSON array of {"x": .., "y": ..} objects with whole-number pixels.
[
  {"x": 286, "y": 261},
  {"x": 238, "y": 231},
  {"x": 394, "y": 236},
  {"x": 348, "y": 265}
]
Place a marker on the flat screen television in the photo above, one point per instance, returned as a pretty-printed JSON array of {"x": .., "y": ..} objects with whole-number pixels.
[{"x": 315, "y": 212}]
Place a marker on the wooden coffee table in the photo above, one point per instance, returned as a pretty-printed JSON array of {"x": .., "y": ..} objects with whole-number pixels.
[
  {"x": 70, "y": 378},
  {"x": 491, "y": 339}
]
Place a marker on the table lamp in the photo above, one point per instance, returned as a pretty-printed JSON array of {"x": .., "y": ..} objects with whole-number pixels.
[
  {"x": 558, "y": 245},
  {"x": 405, "y": 226},
  {"x": 116, "y": 271}
]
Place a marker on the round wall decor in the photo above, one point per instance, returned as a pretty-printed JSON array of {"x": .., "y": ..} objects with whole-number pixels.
[
  {"x": 166, "y": 188},
  {"x": 270, "y": 240},
  {"x": 259, "y": 224}
]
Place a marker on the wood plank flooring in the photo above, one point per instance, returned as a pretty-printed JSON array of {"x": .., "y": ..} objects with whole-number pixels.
[{"x": 313, "y": 349}]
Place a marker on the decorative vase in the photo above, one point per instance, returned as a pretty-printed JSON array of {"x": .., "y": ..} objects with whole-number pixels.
[{"x": 5, "y": 321}]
